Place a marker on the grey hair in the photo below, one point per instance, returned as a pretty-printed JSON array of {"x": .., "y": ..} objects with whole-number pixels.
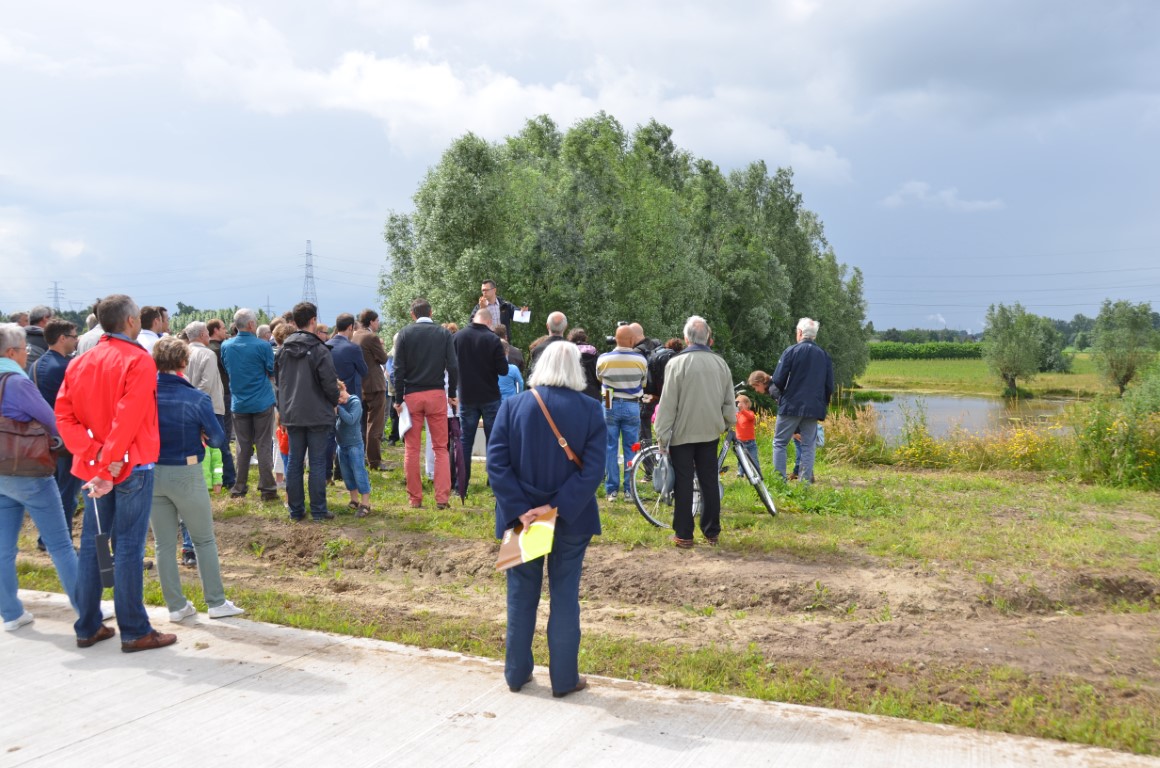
[
  {"x": 12, "y": 336},
  {"x": 195, "y": 330},
  {"x": 39, "y": 313},
  {"x": 559, "y": 366},
  {"x": 808, "y": 327},
  {"x": 697, "y": 330},
  {"x": 90, "y": 322},
  {"x": 557, "y": 323},
  {"x": 263, "y": 331},
  {"x": 244, "y": 318}
]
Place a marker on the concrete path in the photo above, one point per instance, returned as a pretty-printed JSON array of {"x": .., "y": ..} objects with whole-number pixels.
[{"x": 236, "y": 692}]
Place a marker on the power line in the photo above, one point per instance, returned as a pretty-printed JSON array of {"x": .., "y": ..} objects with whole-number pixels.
[{"x": 308, "y": 291}]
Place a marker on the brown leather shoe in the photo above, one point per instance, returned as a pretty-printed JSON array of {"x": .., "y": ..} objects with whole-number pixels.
[
  {"x": 150, "y": 641},
  {"x": 579, "y": 687},
  {"x": 104, "y": 633},
  {"x": 680, "y": 543}
]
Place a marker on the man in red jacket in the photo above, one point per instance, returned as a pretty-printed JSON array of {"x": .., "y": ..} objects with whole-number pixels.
[{"x": 107, "y": 415}]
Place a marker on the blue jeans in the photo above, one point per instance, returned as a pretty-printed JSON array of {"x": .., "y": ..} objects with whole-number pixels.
[
  {"x": 305, "y": 440},
  {"x": 40, "y": 497},
  {"x": 352, "y": 459},
  {"x": 750, "y": 447},
  {"x": 124, "y": 514},
  {"x": 524, "y": 583},
  {"x": 783, "y": 432},
  {"x": 469, "y": 416},
  {"x": 623, "y": 423},
  {"x": 69, "y": 487}
]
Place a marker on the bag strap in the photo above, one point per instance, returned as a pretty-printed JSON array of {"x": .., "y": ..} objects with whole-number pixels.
[
  {"x": 559, "y": 438},
  {"x": 4, "y": 382}
]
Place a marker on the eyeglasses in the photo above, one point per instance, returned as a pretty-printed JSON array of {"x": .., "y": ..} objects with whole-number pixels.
[{"x": 71, "y": 336}]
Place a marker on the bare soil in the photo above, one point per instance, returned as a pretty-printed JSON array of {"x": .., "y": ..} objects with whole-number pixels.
[{"x": 850, "y": 615}]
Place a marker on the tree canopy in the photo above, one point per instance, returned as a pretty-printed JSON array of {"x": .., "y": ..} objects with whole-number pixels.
[
  {"x": 607, "y": 225},
  {"x": 1125, "y": 340}
]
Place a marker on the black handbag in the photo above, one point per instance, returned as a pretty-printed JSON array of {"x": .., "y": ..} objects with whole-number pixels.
[{"x": 25, "y": 446}]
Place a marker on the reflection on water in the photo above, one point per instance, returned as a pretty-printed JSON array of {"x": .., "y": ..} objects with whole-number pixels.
[{"x": 945, "y": 413}]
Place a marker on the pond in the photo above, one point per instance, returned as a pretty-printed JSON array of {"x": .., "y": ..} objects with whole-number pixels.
[{"x": 945, "y": 413}]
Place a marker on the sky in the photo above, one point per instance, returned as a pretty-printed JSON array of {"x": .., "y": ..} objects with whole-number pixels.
[{"x": 960, "y": 153}]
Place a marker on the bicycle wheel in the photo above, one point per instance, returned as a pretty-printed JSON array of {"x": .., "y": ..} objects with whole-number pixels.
[
  {"x": 754, "y": 478},
  {"x": 652, "y": 505}
]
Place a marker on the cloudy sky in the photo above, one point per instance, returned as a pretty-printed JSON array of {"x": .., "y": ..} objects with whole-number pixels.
[{"x": 960, "y": 152}]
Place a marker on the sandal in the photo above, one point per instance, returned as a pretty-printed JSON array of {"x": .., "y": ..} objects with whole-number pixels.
[
  {"x": 352, "y": 505},
  {"x": 363, "y": 510}
]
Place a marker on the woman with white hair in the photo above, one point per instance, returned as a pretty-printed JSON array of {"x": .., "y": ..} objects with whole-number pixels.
[
  {"x": 531, "y": 473},
  {"x": 21, "y": 401}
]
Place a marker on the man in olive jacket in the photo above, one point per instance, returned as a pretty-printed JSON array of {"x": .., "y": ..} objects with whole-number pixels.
[
  {"x": 696, "y": 407},
  {"x": 307, "y": 389}
]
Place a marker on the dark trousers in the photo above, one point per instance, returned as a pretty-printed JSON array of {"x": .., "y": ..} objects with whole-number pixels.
[
  {"x": 307, "y": 441},
  {"x": 375, "y": 412},
  {"x": 469, "y": 416},
  {"x": 701, "y": 459},
  {"x": 229, "y": 471},
  {"x": 255, "y": 432}
]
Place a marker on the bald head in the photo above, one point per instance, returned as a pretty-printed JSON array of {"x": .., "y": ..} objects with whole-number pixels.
[
  {"x": 483, "y": 317},
  {"x": 557, "y": 324},
  {"x": 637, "y": 333},
  {"x": 624, "y": 336}
]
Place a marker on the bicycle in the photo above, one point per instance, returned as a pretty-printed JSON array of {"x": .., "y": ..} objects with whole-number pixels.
[{"x": 652, "y": 499}]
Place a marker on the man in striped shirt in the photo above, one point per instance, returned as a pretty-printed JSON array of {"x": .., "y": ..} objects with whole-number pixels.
[{"x": 622, "y": 373}]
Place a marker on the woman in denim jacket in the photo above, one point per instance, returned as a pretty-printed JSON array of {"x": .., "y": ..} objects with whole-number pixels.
[{"x": 185, "y": 419}]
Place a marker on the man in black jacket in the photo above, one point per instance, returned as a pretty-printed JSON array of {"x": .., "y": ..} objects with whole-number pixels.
[
  {"x": 501, "y": 310},
  {"x": 424, "y": 364},
  {"x": 307, "y": 389},
  {"x": 479, "y": 353}
]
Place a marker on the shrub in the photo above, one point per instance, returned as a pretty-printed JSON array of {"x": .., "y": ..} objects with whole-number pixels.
[
  {"x": 1118, "y": 442},
  {"x": 930, "y": 350}
]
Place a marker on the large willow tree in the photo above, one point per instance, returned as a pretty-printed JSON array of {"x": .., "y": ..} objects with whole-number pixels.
[{"x": 605, "y": 226}]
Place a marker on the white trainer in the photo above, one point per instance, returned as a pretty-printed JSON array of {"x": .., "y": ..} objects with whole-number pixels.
[
  {"x": 183, "y": 613},
  {"x": 18, "y": 622},
  {"x": 225, "y": 610},
  {"x": 107, "y": 610}
]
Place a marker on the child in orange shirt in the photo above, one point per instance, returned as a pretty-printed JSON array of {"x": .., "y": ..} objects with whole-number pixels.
[{"x": 746, "y": 431}]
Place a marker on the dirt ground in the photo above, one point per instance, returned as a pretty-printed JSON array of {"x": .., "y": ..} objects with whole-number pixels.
[{"x": 851, "y": 616}]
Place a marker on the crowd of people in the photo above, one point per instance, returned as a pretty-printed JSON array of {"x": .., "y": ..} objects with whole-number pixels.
[{"x": 148, "y": 422}]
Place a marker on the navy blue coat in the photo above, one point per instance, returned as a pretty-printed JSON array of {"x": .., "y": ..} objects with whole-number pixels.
[
  {"x": 349, "y": 363},
  {"x": 805, "y": 376},
  {"x": 184, "y": 413},
  {"x": 527, "y": 467}
]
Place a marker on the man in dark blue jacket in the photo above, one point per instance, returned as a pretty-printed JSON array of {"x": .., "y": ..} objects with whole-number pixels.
[{"x": 805, "y": 377}]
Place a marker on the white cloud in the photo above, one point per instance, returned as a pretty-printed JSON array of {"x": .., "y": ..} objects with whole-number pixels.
[
  {"x": 68, "y": 249},
  {"x": 937, "y": 319},
  {"x": 920, "y": 193},
  {"x": 421, "y": 42}
]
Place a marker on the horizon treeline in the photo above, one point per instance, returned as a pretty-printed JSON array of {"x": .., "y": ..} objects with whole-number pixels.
[{"x": 606, "y": 226}]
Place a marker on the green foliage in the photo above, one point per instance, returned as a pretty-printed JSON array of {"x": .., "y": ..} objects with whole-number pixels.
[
  {"x": 1124, "y": 340},
  {"x": 186, "y": 314},
  {"x": 1118, "y": 441},
  {"x": 930, "y": 350},
  {"x": 1011, "y": 344},
  {"x": 604, "y": 225}
]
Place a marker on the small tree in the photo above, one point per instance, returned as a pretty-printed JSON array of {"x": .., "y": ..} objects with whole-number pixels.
[
  {"x": 1011, "y": 343},
  {"x": 1125, "y": 340}
]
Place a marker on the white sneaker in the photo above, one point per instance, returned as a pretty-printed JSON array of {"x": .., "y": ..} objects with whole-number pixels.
[
  {"x": 17, "y": 623},
  {"x": 225, "y": 610},
  {"x": 107, "y": 611},
  {"x": 183, "y": 613}
]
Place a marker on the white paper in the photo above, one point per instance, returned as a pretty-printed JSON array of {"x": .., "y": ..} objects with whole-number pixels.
[
  {"x": 522, "y": 316},
  {"x": 404, "y": 420}
]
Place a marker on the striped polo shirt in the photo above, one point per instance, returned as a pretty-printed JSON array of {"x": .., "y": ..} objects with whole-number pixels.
[{"x": 623, "y": 371}]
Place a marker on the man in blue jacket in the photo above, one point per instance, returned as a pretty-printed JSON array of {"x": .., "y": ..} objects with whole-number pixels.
[{"x": 805, "y": 377}]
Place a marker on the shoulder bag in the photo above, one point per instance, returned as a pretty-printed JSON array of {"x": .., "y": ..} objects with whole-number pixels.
[{"x": 25, "y": 446}]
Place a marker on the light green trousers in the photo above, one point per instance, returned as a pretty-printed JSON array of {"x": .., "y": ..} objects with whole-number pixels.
[{"x": 180, "y": 493}]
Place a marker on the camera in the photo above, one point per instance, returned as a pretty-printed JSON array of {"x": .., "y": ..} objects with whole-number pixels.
[{"x": 611, "y": 340}]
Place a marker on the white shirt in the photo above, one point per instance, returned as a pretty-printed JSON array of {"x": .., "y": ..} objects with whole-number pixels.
[{"x": 147, "y": 339}]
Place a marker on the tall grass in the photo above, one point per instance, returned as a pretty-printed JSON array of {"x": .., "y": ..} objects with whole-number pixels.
[{"x": 1109, "y": 441}]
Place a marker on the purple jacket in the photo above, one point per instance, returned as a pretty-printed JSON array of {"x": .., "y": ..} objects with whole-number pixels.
[{"x": 23, "y": 402}]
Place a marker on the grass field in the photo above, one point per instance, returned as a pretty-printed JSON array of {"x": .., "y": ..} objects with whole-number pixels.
[{"x": 973, "y": 377}]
